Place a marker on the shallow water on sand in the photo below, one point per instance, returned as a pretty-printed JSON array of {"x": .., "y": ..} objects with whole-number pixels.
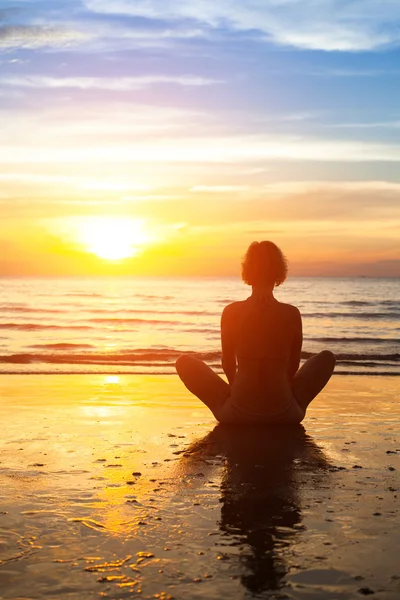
[{"x": 123, "y": 487}]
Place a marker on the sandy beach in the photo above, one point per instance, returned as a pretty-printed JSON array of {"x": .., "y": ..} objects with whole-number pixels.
[{"x": 124, "y": 487}]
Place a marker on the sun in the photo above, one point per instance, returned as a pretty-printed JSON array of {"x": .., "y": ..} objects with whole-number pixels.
[{"x": 113, "y": 238}]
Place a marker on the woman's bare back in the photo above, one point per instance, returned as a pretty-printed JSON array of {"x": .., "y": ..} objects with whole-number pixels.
[{"x": 265, "y": 337}]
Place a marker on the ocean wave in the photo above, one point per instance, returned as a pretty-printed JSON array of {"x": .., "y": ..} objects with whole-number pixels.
[
  {"x": 150, "y": 369},
  {"x": 100, "y": 321},
  {"x": 394, "y": 316},
  {"x": 376, "y": 303},
  {"x": 143, "y": 356},
  {"x": 62, "y": 346},
  {"x": 155, "y": 311},
  {"x": 153, "y": 296},
  {"x": 356, "y": 303},
  {"x": 123, "y": 321},
  {"x": 84, "y": 295},
  {"x": 353, "y": 340},
  {"x": 369, "y": 373},
  {"x": 39, "y": 326},
  {"x": 29, "y": 309},
  {"x": 167, "y": 356},
  {"x": 225, "y": 300},
  {"x": 365, "y": 363},
  {"x": 203, "y": 330},
  {"x": 341, "y": 357}
]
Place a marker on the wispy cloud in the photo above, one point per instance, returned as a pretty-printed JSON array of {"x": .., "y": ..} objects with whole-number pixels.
[
  {"x": 328, "y": 25},
  {"x": 305, "y": 187},
  {"x": 334, "y": 206},
  {"x": 351, "y": 73},
  {"x": 395, "y": 124},
  {"x": 219, "y": 189},
  {"x": 120, "y": 121},
  {"x": 107, "y": 83},
  {"x": 32, "y": 36},
  {"x": 229, "y": 149}
]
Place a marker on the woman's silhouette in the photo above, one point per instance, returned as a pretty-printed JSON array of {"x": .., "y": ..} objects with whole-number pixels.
[{"x": 261, "y": 344}]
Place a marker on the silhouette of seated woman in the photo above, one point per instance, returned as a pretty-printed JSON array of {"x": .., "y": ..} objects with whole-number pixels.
[{"x": 261, "y": 343}]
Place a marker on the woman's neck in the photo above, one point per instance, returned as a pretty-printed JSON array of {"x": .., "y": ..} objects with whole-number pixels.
[{"x": 263, "y": 292}]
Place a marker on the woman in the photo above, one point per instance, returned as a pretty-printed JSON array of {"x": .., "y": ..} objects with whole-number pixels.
[{"x": 261, "y": 344}]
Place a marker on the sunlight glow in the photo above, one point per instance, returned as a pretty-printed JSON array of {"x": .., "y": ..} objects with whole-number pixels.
[
  {"x": 112, "y": 379},
  {"x": 113, "y": 238}
]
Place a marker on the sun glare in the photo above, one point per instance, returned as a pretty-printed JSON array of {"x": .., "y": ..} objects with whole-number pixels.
[{"x": 113, "y": 238}]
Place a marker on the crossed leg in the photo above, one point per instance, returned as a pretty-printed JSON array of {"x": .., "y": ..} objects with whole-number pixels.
[
  {"x": 211, "y": 389},
  {"x": 312, "y": 377},
  {"x": 201, "y": 380}
]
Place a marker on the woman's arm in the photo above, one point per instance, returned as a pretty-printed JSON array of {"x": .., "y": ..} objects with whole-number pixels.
[
  {"x": 227, "y": 343},
  {"x": 295, "y": 351}
]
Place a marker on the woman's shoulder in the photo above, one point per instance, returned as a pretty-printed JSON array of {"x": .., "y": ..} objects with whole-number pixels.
[
  {"x": 233, "y": 308},
  {"x": 289, "y": 309}
]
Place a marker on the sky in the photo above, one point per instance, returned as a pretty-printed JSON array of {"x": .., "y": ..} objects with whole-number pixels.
[{"x": 198, "y": 128}]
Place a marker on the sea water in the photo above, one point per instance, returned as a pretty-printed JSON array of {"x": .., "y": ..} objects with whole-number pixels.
[{"x": 140, "y": 325}]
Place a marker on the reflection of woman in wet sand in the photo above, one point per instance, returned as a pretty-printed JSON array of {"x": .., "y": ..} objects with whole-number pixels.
[
  {"x": 265, "y": 473},
  {"x": 261, "y": 344}
]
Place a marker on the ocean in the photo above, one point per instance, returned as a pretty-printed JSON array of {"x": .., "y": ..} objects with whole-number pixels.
[{"x": 141, "y": 325}]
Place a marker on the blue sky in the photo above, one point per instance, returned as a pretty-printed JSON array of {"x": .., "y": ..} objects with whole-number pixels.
[{"x": 268, "y": 115}]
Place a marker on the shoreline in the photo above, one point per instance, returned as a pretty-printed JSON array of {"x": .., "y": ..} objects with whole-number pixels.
[
  {"x": 125, "y": 486},
  {"x": 173, "y": 373}
]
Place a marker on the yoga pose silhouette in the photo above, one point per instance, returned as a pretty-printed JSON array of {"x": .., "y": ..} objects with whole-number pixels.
[{"x": 261, "y": 343}]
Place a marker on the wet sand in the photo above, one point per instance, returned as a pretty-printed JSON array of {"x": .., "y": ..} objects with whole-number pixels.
[{"x": 125, "y": 487}]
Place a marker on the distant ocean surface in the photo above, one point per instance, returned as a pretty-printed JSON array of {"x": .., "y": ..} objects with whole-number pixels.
[{"x": 138, "y": 325}]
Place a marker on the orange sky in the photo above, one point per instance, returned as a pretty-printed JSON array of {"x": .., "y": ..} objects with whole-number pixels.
[
  {"x": 204, "y": 232},
  {"x": 204, "y": 126}
]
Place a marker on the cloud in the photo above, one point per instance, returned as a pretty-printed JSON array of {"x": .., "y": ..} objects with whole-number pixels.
[
  {"x": 43, "y": 24},
  {"x": 334, "y": 208},
  {"x": 208, "y": 149},
  {"x": 219, "y": 189},
  {"x": 31, "y": 36},
  {"x": 119, "y": 84},
  {"x": 111, "y": 122},
  {"x": 328, "y": 25},
  {"x": 330, "y": 201},
  {"x": 118, "y": 32},
  {"x": 331, "y": 25},
  {"x": 395, "y": 124},
  {"x": 320, "y": 202},
  {"x": 300, "y": 187},
  {"x": 351, "y": 73}
]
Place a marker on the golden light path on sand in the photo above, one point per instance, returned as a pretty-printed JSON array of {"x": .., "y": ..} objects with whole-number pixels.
[{"x": 123, "y": 486}]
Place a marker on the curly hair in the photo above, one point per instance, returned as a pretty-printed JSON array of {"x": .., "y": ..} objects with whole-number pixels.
[{"x": 263, "y": 263}]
